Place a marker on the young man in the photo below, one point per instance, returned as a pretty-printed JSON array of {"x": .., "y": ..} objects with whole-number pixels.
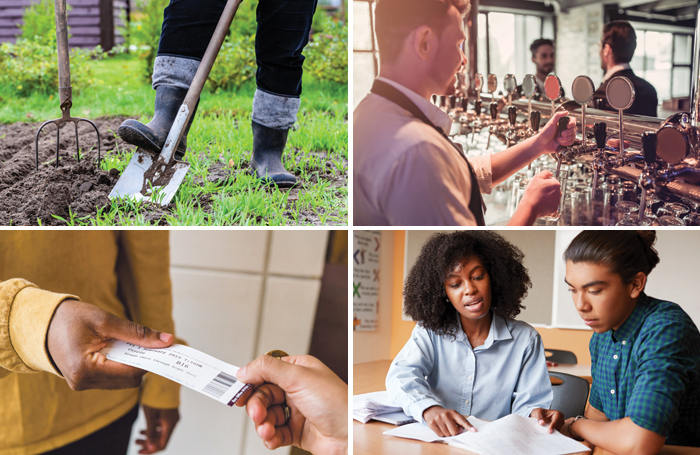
[
  {"x": 616, "y": 50},
  {"x": 405, "y": 170},
  {"x": 645, "y": 352},
  {"x": 544, "y": 58}
]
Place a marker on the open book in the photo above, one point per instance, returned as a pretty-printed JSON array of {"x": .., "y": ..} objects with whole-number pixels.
[{"x": 510, "y": 435}]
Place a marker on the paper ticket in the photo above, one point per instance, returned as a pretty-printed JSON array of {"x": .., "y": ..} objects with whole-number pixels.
[{"x": 184, "y": 365}]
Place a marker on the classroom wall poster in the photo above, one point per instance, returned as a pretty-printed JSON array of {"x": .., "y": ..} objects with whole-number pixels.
[{"x": 365, "y": 279}]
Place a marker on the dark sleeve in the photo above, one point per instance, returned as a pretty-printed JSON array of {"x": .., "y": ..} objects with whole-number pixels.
[{"x": 668, "y": 351}]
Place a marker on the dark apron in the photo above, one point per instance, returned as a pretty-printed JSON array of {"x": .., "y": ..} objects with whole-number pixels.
[{"x": 476, "y": 202}]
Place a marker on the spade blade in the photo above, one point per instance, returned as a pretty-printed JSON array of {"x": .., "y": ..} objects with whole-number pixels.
[{"x": 146, "y": 179}]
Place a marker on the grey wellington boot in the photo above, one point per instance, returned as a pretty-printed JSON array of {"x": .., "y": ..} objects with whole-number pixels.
[
  {"x": 152, "y": 135},
  {"x": 268, "y": 146}
]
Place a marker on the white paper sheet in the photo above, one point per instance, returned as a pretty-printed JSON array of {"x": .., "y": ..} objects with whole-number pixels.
[
  {"x": 511, "y": 435},
  {"x": 184, "y": 365}
]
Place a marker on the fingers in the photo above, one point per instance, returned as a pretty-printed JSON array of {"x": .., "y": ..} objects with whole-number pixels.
[
  {"x": 546, "y": 174},
  {"x": 263, "y": 398},
  {"x": 281, "y": 437},
  {"x": 106, "y": 374},
  {"x": 121, "y": 329},
  {"x": 268, "y": 369},
  {"x": 464, "y": 423}
]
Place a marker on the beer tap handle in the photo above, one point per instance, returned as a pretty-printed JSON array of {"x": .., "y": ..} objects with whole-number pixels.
[
  {"x": 600, "y": 133},
  {"x": 512, "y": 115},
  {"x": 434, "y": 98},
  {"x": 562, "y": 124},
  {"x": 493, "y": 107},
  {"x": 464, "y": 103},
  {"x": 477, "y": 107},
  {"x": 649, "y": 147},
  {"x": 451, "y": 102},
  {"x": 535, "y": 121}
]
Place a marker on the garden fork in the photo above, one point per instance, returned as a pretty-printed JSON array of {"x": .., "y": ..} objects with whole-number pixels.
[{"x": 65, "y": 92}]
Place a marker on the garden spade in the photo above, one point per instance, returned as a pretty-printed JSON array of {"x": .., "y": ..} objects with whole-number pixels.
[
  {"x": 156, "y": 177},
  {"x": 65, "y": 91}
]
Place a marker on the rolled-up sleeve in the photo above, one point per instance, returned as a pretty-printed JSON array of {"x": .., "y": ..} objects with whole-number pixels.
[
  {"x": 533, "y": 389},
  {"x": 25, "y": 316},
  {"x": 482, "y": 168},
  {"x": 406, "y": 381}
]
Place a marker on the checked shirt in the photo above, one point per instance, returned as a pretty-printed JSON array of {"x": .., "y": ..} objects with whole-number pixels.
[{"x": 649, "y": 370}]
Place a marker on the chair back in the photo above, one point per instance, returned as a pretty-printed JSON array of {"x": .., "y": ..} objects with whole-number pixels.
[
  {"x": 571, "y": 395},
  {"x": 559, "y": 356}
]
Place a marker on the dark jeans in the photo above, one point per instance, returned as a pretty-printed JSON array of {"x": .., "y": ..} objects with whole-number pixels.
[
  {"x": 110, "y": 440},
  {"x": 283, "y": 31}
]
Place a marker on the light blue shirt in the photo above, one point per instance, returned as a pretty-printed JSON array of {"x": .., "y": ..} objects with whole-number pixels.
[{"x": 506, "y": 375}]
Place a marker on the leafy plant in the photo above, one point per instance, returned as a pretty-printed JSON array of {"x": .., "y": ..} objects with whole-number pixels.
[
  {"x": 142, "y": 32},
  {"x": 31, "y": 66},
  {"x": 327, "y": 53},
  {"x": 39, "y": 22},
  {"x": 234, "y": 65}
]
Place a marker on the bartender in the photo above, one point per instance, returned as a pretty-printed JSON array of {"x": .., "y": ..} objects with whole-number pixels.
[
  {"x": 616, "y": 50},
  {"x": 406, "y": 172}
]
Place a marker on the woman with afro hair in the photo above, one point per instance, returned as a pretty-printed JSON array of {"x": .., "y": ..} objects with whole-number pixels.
[{"x": 467, "y": 354}]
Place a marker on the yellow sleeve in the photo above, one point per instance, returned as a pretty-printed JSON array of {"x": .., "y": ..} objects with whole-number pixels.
[
  {"x": 25, "y": 315},
  {"x": 143, "y": 270}
]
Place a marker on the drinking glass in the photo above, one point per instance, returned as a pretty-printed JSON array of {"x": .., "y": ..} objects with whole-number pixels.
[
  {"x": 581, "y": 205},
  {"x": 670, "y": 220},
  {"x": 563, "y": 174}
]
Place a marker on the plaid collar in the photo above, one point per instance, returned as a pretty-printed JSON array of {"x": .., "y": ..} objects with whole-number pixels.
[{"x": 634, "y": 321}]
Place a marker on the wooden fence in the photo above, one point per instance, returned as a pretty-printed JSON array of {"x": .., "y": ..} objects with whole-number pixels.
[{"x": 90, "y": 22}]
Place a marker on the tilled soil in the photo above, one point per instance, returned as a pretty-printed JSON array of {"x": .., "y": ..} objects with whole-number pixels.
[{"x": 30, "y": 197}]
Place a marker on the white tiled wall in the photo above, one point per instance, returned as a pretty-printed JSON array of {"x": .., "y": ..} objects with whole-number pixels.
[{"x": 237, "y": 295}]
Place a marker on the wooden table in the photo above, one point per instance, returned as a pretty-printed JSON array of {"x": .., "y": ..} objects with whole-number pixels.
[{"x": 369, "y": 440}]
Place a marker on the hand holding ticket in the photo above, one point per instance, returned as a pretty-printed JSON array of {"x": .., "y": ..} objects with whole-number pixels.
[{"x": 184, "y": 365}]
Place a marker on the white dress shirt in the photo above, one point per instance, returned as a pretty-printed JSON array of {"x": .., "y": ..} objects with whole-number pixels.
[
  {"x": 614, "y": 69},
  {"x": 405, "y": 173}
]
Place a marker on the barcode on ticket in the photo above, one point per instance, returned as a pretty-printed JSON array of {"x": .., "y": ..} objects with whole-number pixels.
[{"x": 220, "y": 384}]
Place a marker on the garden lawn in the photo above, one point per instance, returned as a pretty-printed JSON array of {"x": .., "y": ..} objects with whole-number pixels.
[{"x": 218, "y": 189}]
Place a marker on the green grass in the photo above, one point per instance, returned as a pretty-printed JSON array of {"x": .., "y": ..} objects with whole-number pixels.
[{"x": 220, "y": 135}]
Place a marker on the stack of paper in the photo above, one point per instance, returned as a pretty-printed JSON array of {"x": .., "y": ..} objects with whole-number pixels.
[
  {"x": 511, "y": 435},
  {"x": 371, "y": 405}
]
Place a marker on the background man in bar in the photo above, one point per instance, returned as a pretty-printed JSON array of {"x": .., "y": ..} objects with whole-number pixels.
[
  {"x": 616, "y": 50},
  {"x": 544, "y": 58},
  {"x": 406, "y": 171}
]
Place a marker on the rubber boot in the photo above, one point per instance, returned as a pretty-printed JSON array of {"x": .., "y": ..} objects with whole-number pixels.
[
  {"x": 152, "y": 135},
  {"x": 268, "y": 146}
]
